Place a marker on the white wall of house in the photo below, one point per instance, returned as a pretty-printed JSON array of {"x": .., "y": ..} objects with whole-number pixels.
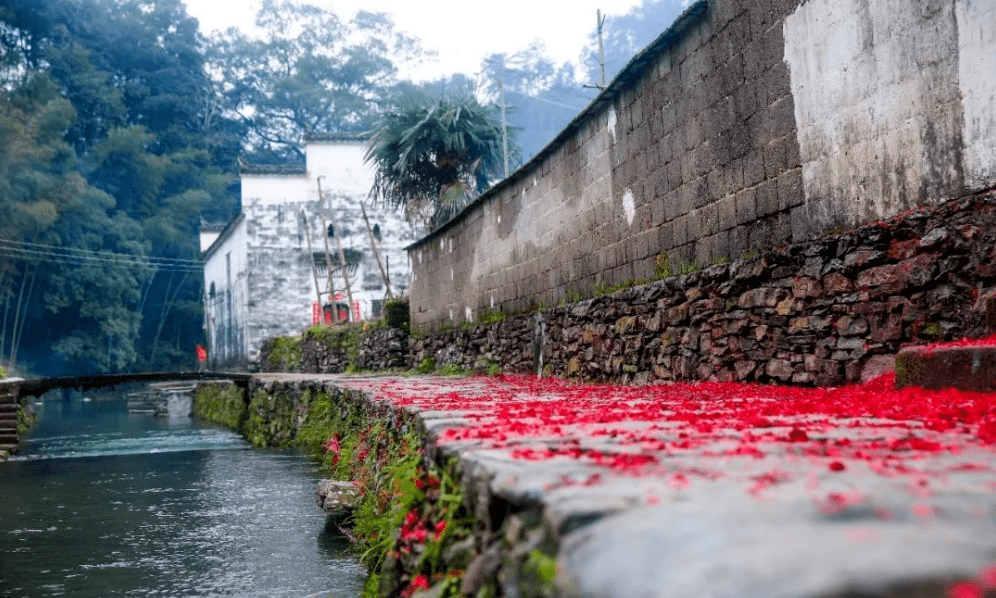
[
  {"x": 346, "y": 181},
  {"x": 226, "y": 296},
  {"x": 280, "y": 211}
]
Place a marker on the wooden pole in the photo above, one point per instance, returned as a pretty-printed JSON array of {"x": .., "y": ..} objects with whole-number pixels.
[
  {"x": 373, "y": 244},
  {"x": 342, "y": 256},
  {"x": 601, "y": 48},
  {"x": 504, "y": 131},
  {"x": 311, "y": 256},
  {"x": 330, "y": 283}
]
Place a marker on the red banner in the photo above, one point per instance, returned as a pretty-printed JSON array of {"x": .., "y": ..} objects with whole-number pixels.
[
  {"x": 316, "y": 313},
  {"x": 202, "y": 354}
]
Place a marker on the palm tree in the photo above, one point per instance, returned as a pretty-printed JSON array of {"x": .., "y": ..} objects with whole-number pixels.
[{"x": 434, "y": 158}]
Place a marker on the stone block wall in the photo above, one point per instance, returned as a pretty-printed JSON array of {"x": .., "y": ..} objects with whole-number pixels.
[
  {"x": 340, "y": 350},
  {"x": 745, "y": 127},
  {"x": 825, "y": 312}
]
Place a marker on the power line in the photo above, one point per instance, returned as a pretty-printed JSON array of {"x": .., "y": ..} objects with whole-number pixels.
[
  {"x": 85, "y": 257},
  {"x": 108, "y": 254}
]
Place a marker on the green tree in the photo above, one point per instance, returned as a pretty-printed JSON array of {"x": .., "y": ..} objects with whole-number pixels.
[
  {"x": 150, "y": 151},
  {"x": 433, "y": 158},
  {"x": 311, "y": 71}
]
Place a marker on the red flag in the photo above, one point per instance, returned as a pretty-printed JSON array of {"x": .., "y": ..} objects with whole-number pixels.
[{"x": 202, "y": 354}]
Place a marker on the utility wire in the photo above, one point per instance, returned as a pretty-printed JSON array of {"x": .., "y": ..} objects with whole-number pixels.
[
  {"x": 84, "y": 257},
  {"x": 108, "y": 254}
]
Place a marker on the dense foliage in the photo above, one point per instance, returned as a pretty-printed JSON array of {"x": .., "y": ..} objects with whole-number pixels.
[
  {"x": 109, "y": 161},
  {"x": 432, "y": 158}
]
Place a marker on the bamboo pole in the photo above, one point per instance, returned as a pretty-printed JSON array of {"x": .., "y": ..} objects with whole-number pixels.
[
  {"x": 342, "y": 256},
  {"x": 311, "y": 256},
  {"x": 373, "y": 245},
  {"x": 330, "y": 283}
]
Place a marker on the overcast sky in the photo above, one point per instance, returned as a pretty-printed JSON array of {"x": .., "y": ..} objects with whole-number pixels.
[{"x": 461, "y": 32}]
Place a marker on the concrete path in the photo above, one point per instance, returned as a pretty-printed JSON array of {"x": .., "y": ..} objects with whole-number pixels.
[{"x": 733, "y": 491}]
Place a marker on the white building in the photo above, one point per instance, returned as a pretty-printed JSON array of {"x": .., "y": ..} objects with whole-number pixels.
[{"x": 260, "y": 275}]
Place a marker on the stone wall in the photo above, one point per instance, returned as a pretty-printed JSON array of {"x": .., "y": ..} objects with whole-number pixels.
[
  {"x": 337, "y": 350},
  {"x": 746, "y": 126},
  {"x": 822, "y": 313},
  {"x": 12, "y": 416}
]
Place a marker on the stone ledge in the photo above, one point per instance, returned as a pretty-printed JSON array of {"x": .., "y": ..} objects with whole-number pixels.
[{"x": 970, "y": 368}]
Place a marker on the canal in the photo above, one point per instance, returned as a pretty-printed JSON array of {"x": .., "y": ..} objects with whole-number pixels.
[{"x": 103, "y": 502}]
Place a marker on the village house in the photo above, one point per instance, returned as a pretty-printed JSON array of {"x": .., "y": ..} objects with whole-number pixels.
[{"x": 266, "y": 272}]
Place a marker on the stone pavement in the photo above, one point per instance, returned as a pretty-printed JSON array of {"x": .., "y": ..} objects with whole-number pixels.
[{"x": 727, "y": 490}]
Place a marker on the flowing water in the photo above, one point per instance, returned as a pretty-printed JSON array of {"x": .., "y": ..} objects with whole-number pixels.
[{"x": 101, "y": 502}]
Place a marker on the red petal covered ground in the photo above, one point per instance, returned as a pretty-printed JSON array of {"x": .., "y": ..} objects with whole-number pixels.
[{"x": 890, "y": 431}]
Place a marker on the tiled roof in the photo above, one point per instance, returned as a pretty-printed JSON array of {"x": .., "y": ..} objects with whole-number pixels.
[
  {"x": 273, "y": 169},
  {"x": 336, "y": 137}
]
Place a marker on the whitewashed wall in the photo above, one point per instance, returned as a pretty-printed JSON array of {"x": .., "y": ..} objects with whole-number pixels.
[
  {"x": 893, "y": 101},
  {"x": 225, "y": 296},
  {"x": 280, "y": 282}
]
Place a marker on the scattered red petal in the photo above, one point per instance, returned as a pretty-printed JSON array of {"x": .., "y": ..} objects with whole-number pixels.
[
  {"x": 987, "y": 577},
  {"x": 965, "y": 589}
]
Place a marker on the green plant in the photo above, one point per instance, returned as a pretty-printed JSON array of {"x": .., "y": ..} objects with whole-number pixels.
[
  {"x": 426, "y": 366},
  {"x": 603, "y": 289},
  {"x": 452, "y": 369},
  {"x": 720, "y": 260},
  {"x": 687, "y": 267},
  {"x": 574, "y": 296},
  {"x": 286, "y": 352},
  {"x": 438, "y": 152},
  {"x": 491, "y": 317},
  {"x": 662, "y": 266},
  {"x": 221, "y": 404},
  {"x": 26, "y": 418},
  {"x": 397, "y": 314},
  {"x": 750, "y": 255},
  {"x": 344, "y": 337}
]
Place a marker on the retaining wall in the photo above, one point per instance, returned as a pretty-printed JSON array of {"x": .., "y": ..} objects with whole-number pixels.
[
  {"x": 819, "y": 313},
  {"x": 11, "y": 416},
  {"x": 744, "y": 127}
]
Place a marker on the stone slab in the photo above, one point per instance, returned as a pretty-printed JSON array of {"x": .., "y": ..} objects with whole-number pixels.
[{"x": 970, "y": 368}]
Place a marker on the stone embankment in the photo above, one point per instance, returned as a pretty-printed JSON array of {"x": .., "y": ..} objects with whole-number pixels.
[
  {"x": 684, "y": 490},
  {"x": 15, "y": 417},
  {"x": 9, "y": 407}
]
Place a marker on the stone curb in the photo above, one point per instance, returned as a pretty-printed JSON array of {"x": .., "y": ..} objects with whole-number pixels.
[{"x": 933, "y": 368}]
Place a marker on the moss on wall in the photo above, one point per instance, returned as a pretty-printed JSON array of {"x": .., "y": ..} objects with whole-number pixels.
[{"x": 220, "y": 403}]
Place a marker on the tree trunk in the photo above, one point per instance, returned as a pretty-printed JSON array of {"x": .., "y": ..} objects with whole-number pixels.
[
  {"x": 19, "y": 328},
  {"x": 17, "y": 312},
  {"x": 162, "y": 317}
]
